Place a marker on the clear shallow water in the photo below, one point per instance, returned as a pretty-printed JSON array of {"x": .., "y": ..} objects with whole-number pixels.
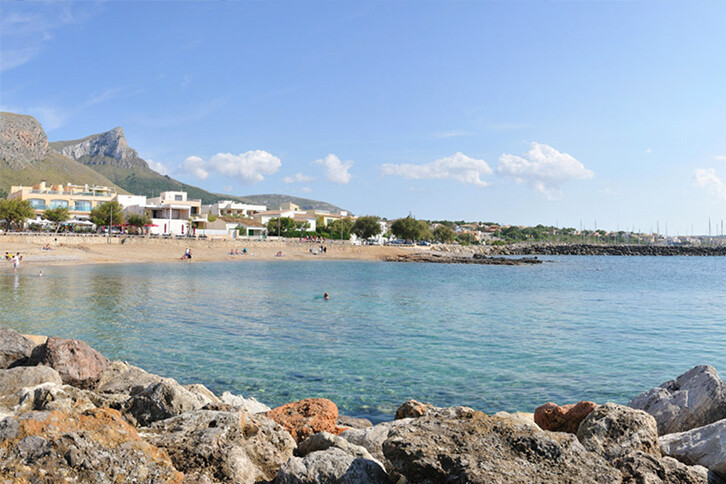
[{"x": 493, "y": 338}]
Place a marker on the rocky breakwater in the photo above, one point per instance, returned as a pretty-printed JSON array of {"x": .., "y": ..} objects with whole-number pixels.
[
  {"x": 597, "y": 249},
  {"x": 71, "y": 415},
  {"x": 456, "y": 258}
]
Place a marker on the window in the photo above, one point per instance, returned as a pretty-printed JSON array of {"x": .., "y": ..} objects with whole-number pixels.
[
  {"x": 179, "y": 198},
  {"x": 37, "y": 203},
  {"x": 59, "y": 203},
  {"x": 82, "y": 206}
]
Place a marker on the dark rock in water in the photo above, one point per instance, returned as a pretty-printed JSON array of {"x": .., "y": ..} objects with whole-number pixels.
[
  {"x": 446, "y": 258},
  {"x": 223, "y": 446},
  {"x": 613, "y": 431},
  {"x": 331, "y": 466},
  {"x": 704, "y": 446},
  {"x": 566, "y": 418},
  {"x": 93, "y": 446},
  {"x": 160, "y": 401},
  {"x": 353, "y": 422},
  {"x": 694, "y": 399},
  {"x": 77, "y": 363},
  {"x": 476, "y": 448},
  {"x": 13, "y": 347},
  {"x": 307, "y": 417}
]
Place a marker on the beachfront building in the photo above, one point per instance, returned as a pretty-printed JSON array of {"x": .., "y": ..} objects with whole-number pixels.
[
  {"x": 78, "y": 199},
  {"x": 297, "y": 215},
  {"x": 229, "y": 208},
  {"x": 171, "y": 213}
]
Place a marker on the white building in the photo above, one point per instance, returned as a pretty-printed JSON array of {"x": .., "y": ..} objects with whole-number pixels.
[
  {"x": 171, "y": 213},
  {"x": 235, "y": 209}
]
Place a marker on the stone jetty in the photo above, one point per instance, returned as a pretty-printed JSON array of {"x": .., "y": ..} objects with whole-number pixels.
[
  {"x": 446, "y": 258},
  {"x": 68, "y": 414},
  {"x": 602, "y": 249}
]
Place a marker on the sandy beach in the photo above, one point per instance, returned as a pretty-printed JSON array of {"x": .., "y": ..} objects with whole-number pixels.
[{"x": 97, "y": 250}]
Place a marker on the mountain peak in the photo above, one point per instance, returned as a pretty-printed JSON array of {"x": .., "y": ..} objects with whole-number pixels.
[{"x": 111, "y": 144}]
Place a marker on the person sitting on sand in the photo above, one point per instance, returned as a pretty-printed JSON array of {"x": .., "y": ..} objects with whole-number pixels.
[
  {"x": 279, "y": 254},
  {"x": 244, "y": 251}
]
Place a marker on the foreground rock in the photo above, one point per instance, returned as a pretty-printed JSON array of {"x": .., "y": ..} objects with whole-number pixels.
[
  {"x": 160, "y": 401},
  {"x": 307, "y": 417},
  {"x": 694, "y": 399},
  {"x": 372, "y": 439},
  {"x": 13, "y": 347},
  {"x": 223, "y": 446},
  {"x": 122, "y": 378},
  {"x": 94, "y": 446},
  {"x": 249, "y": 405},
  {"x": 325, "y": 457},
  {"x": 77, "y": 363},
  {"x": 613, "y": 431},
  {"x": 704, "y": 446},
  {"x": 13, "y": 380},
  {"x": 637, "y": 468},
  {"x": 331, "y": 466},
  {"x": 566, "y": 418},
  {"x": 477, "y": 448}
]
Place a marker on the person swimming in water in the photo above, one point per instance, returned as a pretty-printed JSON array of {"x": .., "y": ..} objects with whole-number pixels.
[{"x": 326, "y": 296}]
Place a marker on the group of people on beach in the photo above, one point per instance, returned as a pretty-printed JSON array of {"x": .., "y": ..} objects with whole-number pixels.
[
  {"x": 320, "y": 250},
  {"x": 238, "y": 252}
]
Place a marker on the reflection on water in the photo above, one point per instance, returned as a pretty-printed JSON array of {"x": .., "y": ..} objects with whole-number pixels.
[{"x": 494, "y": 338}]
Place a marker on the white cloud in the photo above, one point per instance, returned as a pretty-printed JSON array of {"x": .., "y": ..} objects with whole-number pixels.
[
  {"x": 158, "y": 167},
  {"x": 336, "y": 170},
  {"x": 711, "y": 182},
  {"x": 196, "y": 166},
  {"x": 648, "y": 151},
  {"x": 297, "y": 178},
  {"x": 543, "y": 168},
  {"x": 306, "y": 189},
  {"x": 720, "y": 157},
  {"x": 249, "y": 167},
  {"x": 457, "y": 167}
]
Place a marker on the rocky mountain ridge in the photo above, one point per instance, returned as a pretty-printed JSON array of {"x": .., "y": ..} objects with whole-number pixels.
[
  {"x": 22, "y": 140},
  {"x": 109, "y": 148}
]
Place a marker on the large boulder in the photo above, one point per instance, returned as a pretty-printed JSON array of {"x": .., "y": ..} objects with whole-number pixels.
[
  {"x": 77, "y": 363},
  {"x": 694, "y": 399},
  {"x": 372, "y": 438},
  {"x": 249, "y": 405},
  {"x": 52, "y": 396},
  {"x": 121, "y": 378},
  {"x": 704, "y": 446},
  {"x": 640, "y": 468},
  {"x": 160, "y": 401},
  {"x": 307, "y": 417},
  {"x": 354, "y": 422},
  {"x": 566, "y": 418},
  {"x": 13, "y": 347},
  {"x": 476, "y": 448},
  {"x": 205, "y": 396},
  {"x": 413, "y": 409},
  {"x": 13, "y": 380},
  {"x": 223, "y": 446},
  {"x": 325, "y": 440},
  {"x": 94, "y": 446},
  {"x": 613, "y": 431},
  {"x": 333, "y": 465}
]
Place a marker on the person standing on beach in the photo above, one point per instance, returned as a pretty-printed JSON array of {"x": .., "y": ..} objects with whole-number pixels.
[{"x": 16, "y": 262}]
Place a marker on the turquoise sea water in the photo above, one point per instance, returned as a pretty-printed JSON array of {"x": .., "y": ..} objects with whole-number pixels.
[{"x": 490, "y": 337}]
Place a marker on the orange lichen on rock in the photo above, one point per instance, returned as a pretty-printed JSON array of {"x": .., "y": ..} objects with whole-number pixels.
[{"x": 307, "y": 417}]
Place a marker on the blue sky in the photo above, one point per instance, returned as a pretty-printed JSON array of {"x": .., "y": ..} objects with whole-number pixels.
[{"x": 516, "y": 112}]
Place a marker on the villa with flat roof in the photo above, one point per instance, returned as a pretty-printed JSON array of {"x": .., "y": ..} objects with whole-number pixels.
[{"x": 78, "y": 199}]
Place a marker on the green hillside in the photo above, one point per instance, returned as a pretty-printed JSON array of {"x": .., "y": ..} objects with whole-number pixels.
[
  {"x": 273, "y": 201},
  {"x": 142, "y": 180},
  {"x": 54, "y": 168}
]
